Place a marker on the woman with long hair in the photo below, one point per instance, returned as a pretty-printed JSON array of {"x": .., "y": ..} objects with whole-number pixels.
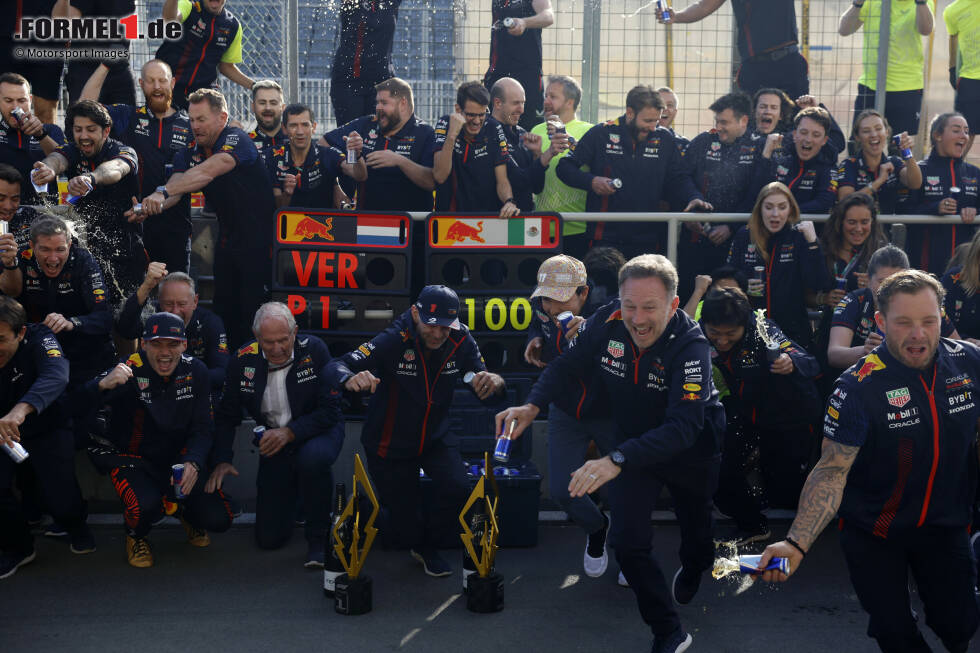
[
  {"x": 782, "y": 259},
  {"x": 962, "y": 303},
  {"x": 950, "y": 188},
  {"x": 873, "y": 172}
]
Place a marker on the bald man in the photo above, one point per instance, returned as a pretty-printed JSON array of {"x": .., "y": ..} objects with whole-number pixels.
[
  {"x": 527, "y": 164},
  {"x": 157, "y": 131}
]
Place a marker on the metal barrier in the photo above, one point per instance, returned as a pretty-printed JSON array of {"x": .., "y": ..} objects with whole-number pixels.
[{"x": 674, "y": 221}]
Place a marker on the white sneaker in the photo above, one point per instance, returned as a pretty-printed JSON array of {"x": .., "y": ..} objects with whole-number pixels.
[
  {"x": 595, "y": 566},
  {"x": 622, "y": 580}
]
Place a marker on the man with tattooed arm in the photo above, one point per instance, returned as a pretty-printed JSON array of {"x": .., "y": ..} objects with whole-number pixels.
[{"x": 899, "y": 466}]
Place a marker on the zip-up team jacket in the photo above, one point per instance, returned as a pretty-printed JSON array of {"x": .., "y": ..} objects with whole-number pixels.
[
  {"x": 408, "y": 410},
  {"x": 662, "y": 398},
  {"x": 934, "y": 245},
  {"x": 315, "y": 409},
  {"x": 794, "y": 265},
  {"x": 163, "y": 420},
  {"x": 917, "y": 466},
  {"x": 579, "y": 397},
  {"x": 761, "y": 397}
]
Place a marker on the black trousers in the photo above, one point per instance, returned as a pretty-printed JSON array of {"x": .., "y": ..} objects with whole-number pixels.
[
  {"x": 902, "y": 108},
  {"x": 632, "y": 497},
  {"x": 143, "y": 488},
  {"x": 397, "y": 485},
  {"x": 303, "y": 470},
  {"x": 119, "y": 87},
  {"x": 167, "y": 244},
  {"x": 350, "y": 102},
  {"x": 761, "y": 468},
  {"x": 52, "y": 456},
  {"x": 791, "y": 74},
  {"x": 940, "y": 561},
  {"x": 240, "y": 280},
  {"x": 530, "y": 80}
]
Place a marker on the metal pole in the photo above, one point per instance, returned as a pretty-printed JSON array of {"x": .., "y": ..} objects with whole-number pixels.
[
  {"x": 884, "y": 37},
  {"x": 291, "y": 53},
  {"x": 805, "y": 30},
  {"x": 591, "y": 39},
  {"x": 673, "y": 229}
]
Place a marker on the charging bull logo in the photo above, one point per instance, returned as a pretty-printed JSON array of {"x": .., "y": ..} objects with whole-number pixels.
[
  {"x": 460, "y": 231},
  {"x": 871, "y": 363},
  {"x": 308, "y": 228}
]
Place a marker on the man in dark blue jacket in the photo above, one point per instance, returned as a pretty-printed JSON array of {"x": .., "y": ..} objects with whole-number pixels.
[
  {"x": 759, "y": 373},
  {"x": 527, "y": 163},
  {"x": 33, "y": 377},
  {"x": 23, "y": 143},
  {"x": 575, "y": 418},
  {"x": 722, "y": 164},
  {"x": 157, "y": 131},
  {"x": 160, "y": 416},
  {"x": 655, "y": 366},
  {"x": 279, "y": 380},
  {"x": 899, "y": 465},
  {"x": 413, "y": 368},
  {"x": 60, "y": 285},
  {"x": 224, "y": 164},
  {"x": 176, "y": 293},
  {"x": 103, "y": 174},
  {"x": 632, "y": 165}
]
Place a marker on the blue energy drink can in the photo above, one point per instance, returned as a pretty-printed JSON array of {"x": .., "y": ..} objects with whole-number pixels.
[
  {"x": 19, "y": 115},
  {"x": 564, "y": 318},
  {"x": 841, "y": 283},
  {"x": 663, "y": 10},
  {"x": 501, "y": 453},
  {"x": 73, "y": 199},
  {"x": 177, "y": 474},
  {"x": 257, "y": 434},
  {"x": 474, "y": 470},
  {"x": 749, "y": 564},
  {"x": 906, "y": 152}
]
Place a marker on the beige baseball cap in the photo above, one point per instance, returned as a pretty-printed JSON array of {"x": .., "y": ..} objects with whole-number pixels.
[{"x": 558, "y": 277}]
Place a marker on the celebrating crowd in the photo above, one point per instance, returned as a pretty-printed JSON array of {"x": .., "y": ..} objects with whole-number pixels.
[{"x": 813, "y": 366}]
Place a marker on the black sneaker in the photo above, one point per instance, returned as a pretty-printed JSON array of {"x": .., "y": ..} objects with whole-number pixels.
[
  {"x": 739, "y": 536},
  {"x": 11, "y": 562},
  {"x": 677, "y": 642},
  {"x": 432, "y": 562},
  {"x": 82, "y": 540},
  {"x": 685, "y": 586},
  {"x": 596, "y": 558},
  {"x": 54, "y": 529},
  {"x": 315, "y": 551}
]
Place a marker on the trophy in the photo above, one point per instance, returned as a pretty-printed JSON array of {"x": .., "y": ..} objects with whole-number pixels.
[
  {"x": 352, "y": 591},
  {"x": 485, "y": 587}
]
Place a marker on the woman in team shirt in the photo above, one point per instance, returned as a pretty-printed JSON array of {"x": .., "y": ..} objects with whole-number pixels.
[
  {"x": 962, "y": 303},
  {"x": 782, "y": 258},
  {"x": 873, "y": 172},
  {"x": 853, "y": 330}
]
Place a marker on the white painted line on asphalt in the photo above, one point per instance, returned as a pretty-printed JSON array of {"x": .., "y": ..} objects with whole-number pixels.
[
  {"x": 570, "y": 580},
  {"x": 407, "y": 638},
  {"x": 448, "y": 602}
]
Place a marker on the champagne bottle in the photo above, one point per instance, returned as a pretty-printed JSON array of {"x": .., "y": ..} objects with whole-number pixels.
[{"x": 331, "y": 562}]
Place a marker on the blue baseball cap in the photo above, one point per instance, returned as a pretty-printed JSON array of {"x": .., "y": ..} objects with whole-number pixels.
[
  {"x": 438, "y": 305},
  {"x": 164, "y": 325}
]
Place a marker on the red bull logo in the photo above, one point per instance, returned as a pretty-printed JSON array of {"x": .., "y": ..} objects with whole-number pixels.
[
  {"x": 460, "y": 231},
  {"x": 871, "y": 363},
  {"x": 308, "y": 228}
]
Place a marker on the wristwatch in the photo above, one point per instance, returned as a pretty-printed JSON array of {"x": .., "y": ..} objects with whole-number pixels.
[
  {"x": 617, "y": 457},
  {"x": 163, "y": 191},
  {"x": 75, "y": 322}
]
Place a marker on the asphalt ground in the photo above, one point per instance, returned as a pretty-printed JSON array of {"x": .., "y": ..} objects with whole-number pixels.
[{"x": 233, "y": 597}]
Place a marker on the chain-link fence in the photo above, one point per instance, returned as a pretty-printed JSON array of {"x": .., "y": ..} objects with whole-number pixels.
[{"x": 609, "y": 45}]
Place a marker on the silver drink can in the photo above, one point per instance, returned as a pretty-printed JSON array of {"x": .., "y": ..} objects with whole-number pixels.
[{"x": 17, "y": 452}]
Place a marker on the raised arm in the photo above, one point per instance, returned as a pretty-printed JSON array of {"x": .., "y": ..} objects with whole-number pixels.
[{"x": 698, "y": 11}]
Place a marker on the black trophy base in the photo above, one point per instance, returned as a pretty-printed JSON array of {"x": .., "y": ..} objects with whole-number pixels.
[
  {"x": 352, "y": 595},
  {"x": 485, "y": 594}
]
